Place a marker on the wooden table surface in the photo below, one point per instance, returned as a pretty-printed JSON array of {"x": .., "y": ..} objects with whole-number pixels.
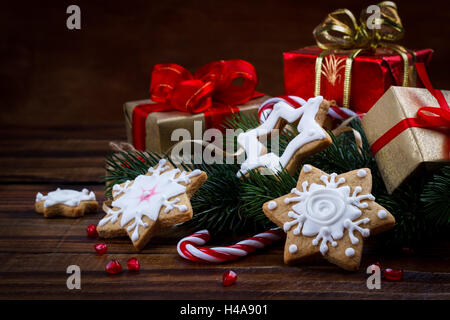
[{"x": 35, "y": 252}]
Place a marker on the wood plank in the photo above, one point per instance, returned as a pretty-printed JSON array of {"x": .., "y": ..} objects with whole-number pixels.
[
  {"x": 52, "y": 175},
  {"x": 113, "y": 130},
  {"x": 56, "y": 154},
  {"x": 53, "y": 148},
  {"x": 35, "y": 253},
  {"x": 48, "y": 170},
  {"x": 167, "y": 276}
]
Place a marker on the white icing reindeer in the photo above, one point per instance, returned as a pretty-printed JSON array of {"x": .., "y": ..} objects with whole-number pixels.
[{"x": 308, "y": 128}]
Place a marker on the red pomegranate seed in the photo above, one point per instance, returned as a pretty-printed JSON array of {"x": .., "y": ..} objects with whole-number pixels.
[
  {"x": 113, "y": 267},
  {"x": 229, "y": 277},
  {"x": 92, "y": 231},
  {"x": 101, "y": 248},
  {"x": 133, "y": 264},
  {"x": 393, "y": 274}
]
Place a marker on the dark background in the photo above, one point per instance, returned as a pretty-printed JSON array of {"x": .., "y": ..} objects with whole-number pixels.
[{"x": 52, "y": 76}]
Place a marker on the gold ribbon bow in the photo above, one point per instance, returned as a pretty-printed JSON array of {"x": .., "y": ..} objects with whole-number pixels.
[{"x": 341, "y": 31}]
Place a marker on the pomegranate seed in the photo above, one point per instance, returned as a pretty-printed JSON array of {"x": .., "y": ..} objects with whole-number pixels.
[
  {"x": 133, "y": 264},
  {"x": 101, "y": 248},
  {"x": 92, "y": 231},
  {"x": 393, "y": 274},
  {"x": 228, "y": 278},
  {"x": 113, "y": 267}
]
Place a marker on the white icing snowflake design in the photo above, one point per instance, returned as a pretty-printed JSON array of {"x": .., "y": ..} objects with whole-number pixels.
[
  {"x": 326, "y": 210},
  {"x": 146, "y": 195}
]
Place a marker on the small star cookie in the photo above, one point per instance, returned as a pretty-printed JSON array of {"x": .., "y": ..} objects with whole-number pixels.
[
  {"x": 329, "y": 215},
  {"x": 311, "y": 138},
  {"x": 66, "y": 203},
  {"x": 158, "y": 199}
]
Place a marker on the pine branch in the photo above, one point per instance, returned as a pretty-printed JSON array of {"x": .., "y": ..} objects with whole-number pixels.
[
  {"x": 241, "y": 121},
  {"x": 258, "y": 189},
  {"x": 435, "y": 198},
  {"x": 217, "y": 203}
]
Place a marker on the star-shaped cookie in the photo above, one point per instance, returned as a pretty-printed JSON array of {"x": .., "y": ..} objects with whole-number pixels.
[
  {"x": 329, "y": 215},
  {"x": 158, "y": 199},
  {"x": 311, "y": 138},
  {"x": 66, "y": 203}
]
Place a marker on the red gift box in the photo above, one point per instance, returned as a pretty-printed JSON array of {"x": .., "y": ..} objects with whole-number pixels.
[{"x": 372, "y": 74}]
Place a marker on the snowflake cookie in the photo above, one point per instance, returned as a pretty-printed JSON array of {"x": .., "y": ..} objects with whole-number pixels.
[
  {"x": 66, "y": 203},
  {"x": 158, "y": 199},
  {"x": 329, "y": 215},
  {"x": 311, "y": 138}
]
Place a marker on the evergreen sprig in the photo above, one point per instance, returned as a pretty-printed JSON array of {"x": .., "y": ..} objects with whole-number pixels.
[
  {"x": 241, "y": 121},
  {"x": 258, "y": 188},
  {"x": 435, "y": 198},
  {"x": 217, "y": 204}
]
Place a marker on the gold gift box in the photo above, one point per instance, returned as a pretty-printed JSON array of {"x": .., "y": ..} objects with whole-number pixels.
[
  {"x": 160, "y": 125},
  {"x": 414, "y": 149}
]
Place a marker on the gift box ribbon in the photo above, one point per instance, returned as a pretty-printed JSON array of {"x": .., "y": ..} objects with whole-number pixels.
[
  {"x": 340, "y": 31},
  {"x": 427, "y": 117},
  {"x": 215, "y": 89}
]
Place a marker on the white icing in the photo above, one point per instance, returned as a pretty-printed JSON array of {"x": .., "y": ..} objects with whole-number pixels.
[
  {"x": 349, "y": 252},
  {"x": 309, "y": 130},
  {"x": 271, "y": 205},
  {"x": 293, "y": 248},
  {"x": 361, "y": 173},
  {"x": 307, "y": 168},
  {"x": 146, "y": 195},
  {"x": 382, "y": 214},
  {"x": 326, "y": 210},
  {"x": 266, "y": 111},
  {"x": 67, "y": 197}
]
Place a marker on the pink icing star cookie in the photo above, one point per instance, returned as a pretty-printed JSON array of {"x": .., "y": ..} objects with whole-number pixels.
[{"x": 158, "y": 199}]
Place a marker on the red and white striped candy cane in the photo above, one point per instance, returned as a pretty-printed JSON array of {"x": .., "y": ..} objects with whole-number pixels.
[
  {"x": 296, "y": 102},
  {"x": 342, "y": 113},
  {"x": 188, "y": 246}
]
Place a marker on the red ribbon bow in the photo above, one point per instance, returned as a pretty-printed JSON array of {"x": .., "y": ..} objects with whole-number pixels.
[
  {"x": 213, "y": 88},
  {"x": 427, "y": 117}
]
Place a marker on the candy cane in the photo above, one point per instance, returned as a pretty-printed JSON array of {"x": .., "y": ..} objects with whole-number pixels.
[
  {"x": 296, "y": 102},
  {"x": 187, "y": 247},
  {"x": 341, "y": 113}
]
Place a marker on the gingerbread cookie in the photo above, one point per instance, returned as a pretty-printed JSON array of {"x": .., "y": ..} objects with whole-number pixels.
[
  {"x": 158, "y": 199},
  {"x": 311, "y": 139},
  {"x": 66, "y": 203},
  {"x": 329, "y": 215}
]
